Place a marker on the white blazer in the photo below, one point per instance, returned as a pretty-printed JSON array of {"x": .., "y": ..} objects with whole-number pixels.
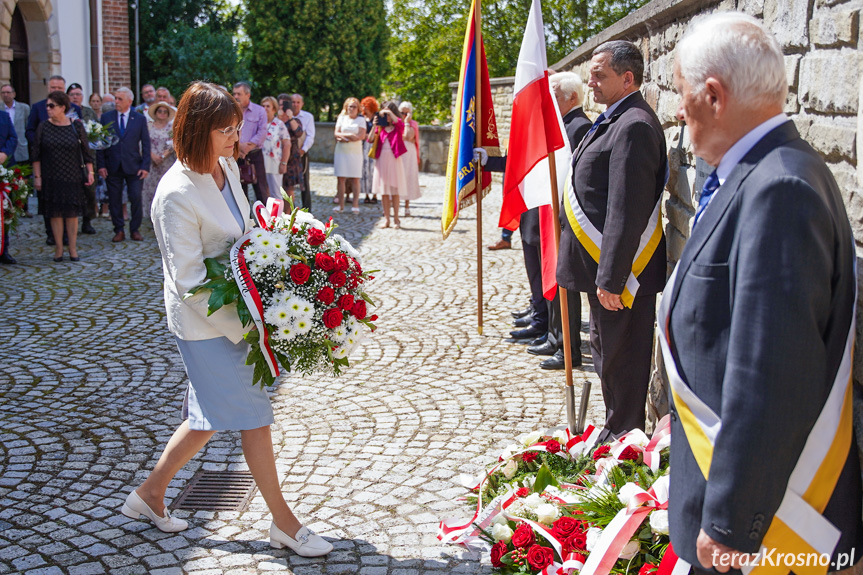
[{"x": 192, "y": 221}]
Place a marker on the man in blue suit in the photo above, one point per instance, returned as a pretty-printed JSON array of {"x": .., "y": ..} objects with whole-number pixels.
[
  {"x": 8, "y": 143},
  {"x": 126, "y": 162},
  {"x": 39, "y": 114},
  {"x": 757, "y": 323}
]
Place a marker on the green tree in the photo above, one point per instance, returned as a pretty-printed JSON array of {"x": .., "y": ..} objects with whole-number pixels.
[
  {"x": 427, "y": 46},
  {"x": 326, "y": 51},
  {"x": 186, "y": 40}
]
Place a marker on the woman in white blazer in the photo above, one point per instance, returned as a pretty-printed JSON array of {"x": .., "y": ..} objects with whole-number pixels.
[{"x": 199, "y": 211}]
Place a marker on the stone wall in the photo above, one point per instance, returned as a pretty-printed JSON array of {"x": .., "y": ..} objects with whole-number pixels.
[{"x": 434, "y": 145}]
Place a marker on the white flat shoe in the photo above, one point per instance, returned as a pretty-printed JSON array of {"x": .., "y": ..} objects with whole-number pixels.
[
  {"x": 135, "y": 507},
  {"x": 307, "y": 544}
]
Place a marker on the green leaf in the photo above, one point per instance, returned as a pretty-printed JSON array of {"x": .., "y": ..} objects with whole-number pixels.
[
  {"x": 544, "y": 478},
  {"x": 215, "y": 269},
  {"x": 507, "y": 559},
  {"x": 366, "y": 297}
]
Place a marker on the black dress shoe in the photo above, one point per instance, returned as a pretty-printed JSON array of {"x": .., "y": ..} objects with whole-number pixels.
[
  {"x": 540, "y": 340},
  {"x": 87, "y": 228},
  {"x": 522, "y": 321},
  {"x": 546, "y": 348},
  {"x": 49, "y": 241},
  {"x": 557, "y": 361},
  {"x": 529, "y": 332},
  {"x": 521, "y": 313},
  {"x": 7, "y": 259}
]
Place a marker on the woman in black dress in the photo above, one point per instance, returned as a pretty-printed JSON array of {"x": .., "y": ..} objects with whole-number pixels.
[{"x": 62, "y": 166}]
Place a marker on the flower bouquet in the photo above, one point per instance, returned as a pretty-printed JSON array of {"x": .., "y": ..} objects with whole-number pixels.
[
  {"x": 15, "y": 190},
  {"x": 301, "y": 285},
  {"x": 100, "y": 137},
  {"x": 560, "y": 504}
]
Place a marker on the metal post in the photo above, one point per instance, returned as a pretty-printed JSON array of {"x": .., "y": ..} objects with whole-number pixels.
[
  {"x": 477, "y": 48},
  {"x": 136, "y": 7}
]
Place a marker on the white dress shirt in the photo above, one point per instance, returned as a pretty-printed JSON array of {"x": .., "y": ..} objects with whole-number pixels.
[
  {"x": 11, "y": 111},
  {"x": 308, "y": 122}
]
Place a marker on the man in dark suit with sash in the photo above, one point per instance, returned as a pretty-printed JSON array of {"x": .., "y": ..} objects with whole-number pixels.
[
  {"x": 757, "y": 323},
  {"x": 126, "y": 162},
  {"x": 618, "y": 178}
]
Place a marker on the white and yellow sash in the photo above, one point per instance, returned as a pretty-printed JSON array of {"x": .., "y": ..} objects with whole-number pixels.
[
  {"x": 591, "y": 238},
  {"x": 798, "y": 525}
]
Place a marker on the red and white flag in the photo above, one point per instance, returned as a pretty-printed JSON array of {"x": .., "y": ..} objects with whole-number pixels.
[{"x": 536, "y": 130}]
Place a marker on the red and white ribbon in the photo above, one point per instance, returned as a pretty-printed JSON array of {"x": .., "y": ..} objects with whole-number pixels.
[
  {"x": 3, "y": 198},
  {"x": 581, "y": 444},
  {"x": 266, "y": 215},
  {"x": 671, "y": 564},
  {"x": 617, "y": 534}
]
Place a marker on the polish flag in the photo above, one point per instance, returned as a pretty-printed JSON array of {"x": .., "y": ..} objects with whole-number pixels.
[{"x": 536, "y": 130}]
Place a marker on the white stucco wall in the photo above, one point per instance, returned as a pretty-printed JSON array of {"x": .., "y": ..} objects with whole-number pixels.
[{"x": 72, "y": 18}]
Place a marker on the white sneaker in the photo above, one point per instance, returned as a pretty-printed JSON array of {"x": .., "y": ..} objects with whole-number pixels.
[
  {"x": 135, "y": 507},
  {"x": 307, "y": 544}
]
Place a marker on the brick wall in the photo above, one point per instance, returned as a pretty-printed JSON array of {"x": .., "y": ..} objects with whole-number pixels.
[{"x": 115, "y": 17}]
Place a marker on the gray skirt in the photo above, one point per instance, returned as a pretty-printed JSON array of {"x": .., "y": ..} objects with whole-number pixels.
[{"x": 220, "y": 396}]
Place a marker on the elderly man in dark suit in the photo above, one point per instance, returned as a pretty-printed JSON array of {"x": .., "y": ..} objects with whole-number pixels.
[
  {"x": 757, "y": 322},
  {"x": 618, "y": 177},
  {"x": 126, "y": 162},
  {"x": 8, "y": 144},
  {"x": 569, "y": 93}
]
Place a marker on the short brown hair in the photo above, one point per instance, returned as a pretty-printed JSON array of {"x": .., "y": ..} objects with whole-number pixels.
[
  {"x": 273, "y": 102},
  {"x": 61, "y": 99},
  {"x": 203, "y": 108}
]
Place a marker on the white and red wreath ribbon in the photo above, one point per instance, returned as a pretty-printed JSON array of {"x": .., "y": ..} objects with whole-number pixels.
[
  {"x": 3, "y": 199},
  {"x": 456, "y": 530},
  {"x": 265, "y": 217}
]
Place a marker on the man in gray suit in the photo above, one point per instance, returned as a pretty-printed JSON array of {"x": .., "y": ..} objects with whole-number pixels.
[
  {"x": 18, "y": 113},
  {"x": 757, "y": 323}
]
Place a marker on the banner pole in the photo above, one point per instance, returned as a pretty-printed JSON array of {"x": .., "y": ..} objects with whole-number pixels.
[
  {"x": 564, "y": 303},
  {"x": 477, "y": 47}
]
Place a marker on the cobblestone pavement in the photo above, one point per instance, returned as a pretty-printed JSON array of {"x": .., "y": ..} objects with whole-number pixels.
[{"x": 92, "y": 383}]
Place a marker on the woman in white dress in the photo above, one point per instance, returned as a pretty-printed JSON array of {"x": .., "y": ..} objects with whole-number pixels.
[
  {"x": 412, "y": 156},
  {"x": 277, "y": 148},
  {"x": 348, "y": 157}
]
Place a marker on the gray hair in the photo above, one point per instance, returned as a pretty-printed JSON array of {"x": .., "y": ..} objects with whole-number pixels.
[
  {"x": 569, "y": 83},
  {"x": 736, "y": 50},
  {"x": 245, "y": 86},
  {"x": 126, "y": 91},
  {"x": 407, "y": 105},
  {"x": 625, "y": 57},
  {"x": 300, "y": 96},
  {"x": 57, "y": 77}
]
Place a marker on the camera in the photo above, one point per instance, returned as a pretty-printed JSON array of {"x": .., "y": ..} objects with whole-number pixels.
[{"x": 383, "y": 120}]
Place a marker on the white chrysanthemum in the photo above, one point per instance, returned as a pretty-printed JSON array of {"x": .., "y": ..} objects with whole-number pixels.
[
  {"x": 285, "y": 333},
  {"x": 257, "y": 234},
  {"x": 307, "y": 218},
  {"x": 340, "y": 353},
  {"x": 266, "y": 257},
  {"x": 282, "y": 259},
  {"x": 278, "y": 243},
  {"x": 298, "y": 306},
  {"x": 303, "y": 325},
  {"x": 339, "y": 334},
  {"x": 278, "y": 315},
  {"x": 251, "y": 253}
]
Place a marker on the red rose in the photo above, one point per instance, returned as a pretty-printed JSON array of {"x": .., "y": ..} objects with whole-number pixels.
[
  {"x": 647, "y": 569},
  {"x": 539, "y": 557},
  {"x": 295, "y": 229},
  {"x": 628, "y": 454},
  {"x": 353, "y": 281},
  {"x": 338, "y": 279},
  {"x": 342, "y": 262},
  {"x": 333, "y": 318},
  {"x": 315, "y": 237},
  {"x": 325, "y": 262},
  {"x": 552, "y": 446},
  {"x": 326, "y": 295},
  {"x": 374, "y": 318},
  {"x": 600, "y": 452},
  {"x": 359, "y": 309},
  {"x": 300, "y": 273},
  {"x": 523, "y": 536},
  {"x": 498, "y": 550},
  {"x": 528, "y": 456},
  {"x": 357, "y": 266},
  {"x": 576, "y": 542},
  {"x": 346, "y": 302},
  {"x": 522, "y": 492},
  {"x": 564, "y": 527}
]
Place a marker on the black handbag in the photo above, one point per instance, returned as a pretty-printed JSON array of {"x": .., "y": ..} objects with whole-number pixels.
[{"x": 247, "y": 173}]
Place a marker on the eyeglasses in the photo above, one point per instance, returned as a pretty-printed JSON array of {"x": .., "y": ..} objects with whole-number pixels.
[
  {"x": 50, "y": 105},
  {"x": 231, "y": 130},
  {"x": 352, "y": 107}
]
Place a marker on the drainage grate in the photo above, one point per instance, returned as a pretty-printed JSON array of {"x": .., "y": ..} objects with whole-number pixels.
[{"x": 217, "y": 491}]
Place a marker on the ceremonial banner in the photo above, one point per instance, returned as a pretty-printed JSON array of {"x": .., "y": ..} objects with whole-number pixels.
[
  {"x": 536, "y": 131},
  {"x": 461, "y": 185}
]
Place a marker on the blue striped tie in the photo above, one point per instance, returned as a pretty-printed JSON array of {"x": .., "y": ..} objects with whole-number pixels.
[
  {"x": 595, "y": 125},
  {"x": 711, "y": 184}
]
